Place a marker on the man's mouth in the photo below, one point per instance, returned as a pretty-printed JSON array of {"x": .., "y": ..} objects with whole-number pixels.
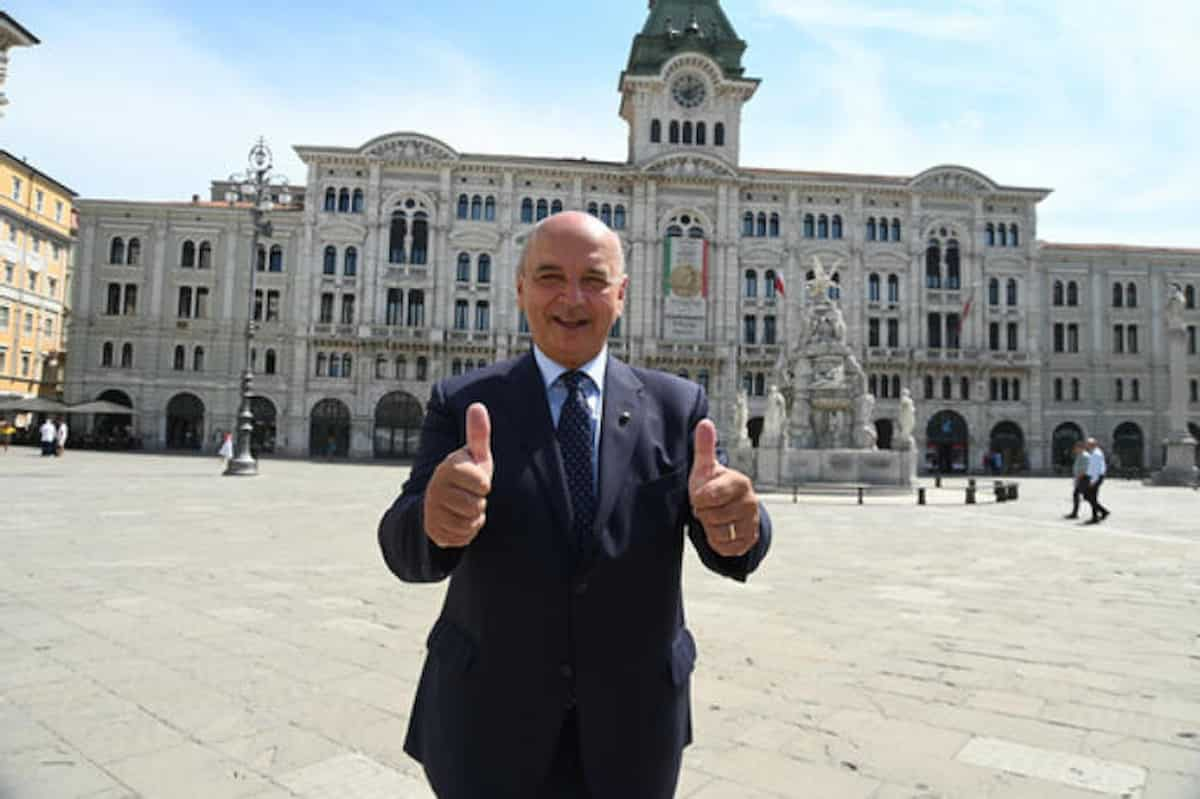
[{"x": 573, "y": 324}]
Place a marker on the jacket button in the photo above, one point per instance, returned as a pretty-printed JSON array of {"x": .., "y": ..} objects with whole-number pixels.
[
  {"x": 581, "y": 588},
  {"x": 566, "y": 671}
]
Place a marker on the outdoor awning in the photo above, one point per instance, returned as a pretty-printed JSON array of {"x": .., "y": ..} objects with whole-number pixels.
[
  {"x": 99, "y": 406},
  {"x": 32, "y": 405}
]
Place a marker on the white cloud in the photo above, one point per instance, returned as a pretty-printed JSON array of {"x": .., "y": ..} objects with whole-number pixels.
[{"x": 952, "y": 25}]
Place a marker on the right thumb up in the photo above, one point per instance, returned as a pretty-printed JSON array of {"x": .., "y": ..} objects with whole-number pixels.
[{"x": 479, "y": 436}]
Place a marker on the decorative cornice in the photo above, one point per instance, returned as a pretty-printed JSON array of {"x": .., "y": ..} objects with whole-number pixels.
[{"x": 689, "y": 165}]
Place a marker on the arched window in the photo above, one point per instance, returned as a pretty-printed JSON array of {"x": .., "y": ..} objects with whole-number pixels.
[
  {"x": 619, "y": 217},
  {"x": 106, "y": 354},
  {"x": 477, "y": 207},
  {"x": 456, "y": 367},
  {"x": 748, "y": 224},
  {"x": 700, "y": 134},
  {"x": 420, "y": 238},
  {"x": 687, "y": 132},
  {"x": 350, "y": 262},
  {"x": 463, "y": 274},
  {"x": 356, "y": 204},
  {"x": 276, "y": 262},
  {"x": 719, "y": 134},
  {"x": 484, "y": 271},
  {"x": 489, "y": 209},
  {"x": 260, "y": 259},
  {"x": 822, "y": 227},
  {"x": 991, "y": 234},
  {"x": 1072, "y": 293},
  {"x": 895, "y": 385},
  {"x": 344, "y": 201},
  {"x": 871, "y": 229},
  {"x": 556, "y": 207},
  {"x": 180, "y": 357},
  {"x": 1057, "y": 296},
  {"x": 751, "y": 284},
  {"x": 527, "y": 211},
  {"x": 928, "y": 386},
  {"x": 933, "y": 265},
  {"x": 964, "y": 388},
  {"x": 761, "y": 228},
  {"x": 1135, "y": 390},
  {"x": 205, "y": 257},
  {"x": 187, "y": 256},
  {"x": 463, "y": 206},
  {"x": 483, "y": 319},
  {"x": 953, "y": 275},
  {"x": 401, "y": 367},
  {"x": 769, "y": 285},
  {"x": 873, "y": 288},
  {"x": 774, "y": 226},
  {"x": 993, "y": 292},
  {"x": 269, "y": 363},
  {"x": 116, "y": 251},
  {"x": 883, "y": 230},
  {"x": 895, "y": 230},
  {"x": 543, "y": 210},
  {"x": 1120, "y": 390},
  {"x": 134, "y": 252},
  {"x": 673, "y": 132},
  {"x": 1130, "y": 293},
  {"x": 1189, "y": 296},
  {"x": 380, "y": 367},
  {"x": 1118, "y": 295},
  {"x": 809, "y": 226},
  {"x": 1013, "y": 237},
  {"x": 320, "y": 364},
  {"x": 606, "y": 214},
  {"x": 198, "y": 359},
  {"x": 330, "y": 199},
  {"x": 396, "y": 234},
  {"x": 1002, "y": 235},
  {"x": 947, "y": 388},
  {"x": 346, "y": 361},
  {"x": 893, "y": 284},
  {"x": 593, "y": 209},
  {"x": 837, "y": 226},
  {"x": 1011, "y": 291},
  {"x": 329, "y": 267},
  {"x": 422, "y": 368},
  {"x": 335, "y": 365},
  {"x": 655, "y": 131}
]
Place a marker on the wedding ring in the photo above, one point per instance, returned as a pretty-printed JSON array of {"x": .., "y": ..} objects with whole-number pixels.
[{"x": 732, "y": 532}]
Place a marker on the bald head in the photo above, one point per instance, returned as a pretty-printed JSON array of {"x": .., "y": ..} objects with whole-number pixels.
[{"x": 575, "y": 225}]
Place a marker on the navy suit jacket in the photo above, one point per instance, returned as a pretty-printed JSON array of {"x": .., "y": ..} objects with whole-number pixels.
[{"x": 525, "y": 634}]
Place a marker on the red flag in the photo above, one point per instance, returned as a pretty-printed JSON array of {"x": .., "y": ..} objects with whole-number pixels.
[
  {"x": 779, "y": 285},
  {"x": 966, "y": 309}
]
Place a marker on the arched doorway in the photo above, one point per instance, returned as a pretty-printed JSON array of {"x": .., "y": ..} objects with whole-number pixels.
[
  {"x": 262, "y": 440},
  {"x": 1009, "y": 441},
  {"x": 946, "y": 443},
  {"x": 1062, "y": 442},
  {"x": 754, "y": 429},
  {"x": 398, "y": 418},
  {"x": 185, "y": 422},
  {"x": 329, "y": 429},
  {"x": 114, "y": 430},
  {"x": 1128, "y": 444},
  {"x": 883, "y": 433}
]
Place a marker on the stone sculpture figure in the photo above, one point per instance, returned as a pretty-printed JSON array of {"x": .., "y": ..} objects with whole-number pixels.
[
  {"x": 1176, "y": 303},
  {"x": 908, "y": 419},
  {"x": 775, "y": 421},
  {"x": 741, "y": 418},
  {"x": 866, "y": 429}
]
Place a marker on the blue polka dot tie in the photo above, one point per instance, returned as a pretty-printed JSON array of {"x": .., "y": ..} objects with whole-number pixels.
[{"x": 575, "y": 444}]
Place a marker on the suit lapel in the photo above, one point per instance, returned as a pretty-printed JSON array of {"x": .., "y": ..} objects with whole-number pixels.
[
  {"x": 620, "y": 431},
  {"x": 530, "y": 412}
]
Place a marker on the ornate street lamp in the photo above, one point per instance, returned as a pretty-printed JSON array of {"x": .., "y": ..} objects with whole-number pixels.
[{"x": 255, "y": 185}]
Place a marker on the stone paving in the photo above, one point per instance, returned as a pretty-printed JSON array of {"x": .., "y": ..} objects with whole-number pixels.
[{"x": 167, "y": 632}]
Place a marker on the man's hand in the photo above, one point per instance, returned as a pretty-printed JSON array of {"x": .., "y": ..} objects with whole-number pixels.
[
  {"x": 456, "y": 497},
  {"x": 722, "y": 499}
]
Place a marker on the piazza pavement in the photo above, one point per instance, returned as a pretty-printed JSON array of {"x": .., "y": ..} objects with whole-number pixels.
[{"x": 168, "y": 632}]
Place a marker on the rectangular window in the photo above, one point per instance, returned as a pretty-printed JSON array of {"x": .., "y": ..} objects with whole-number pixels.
[
  {"x": 4, "y": 317},
  {"x": 994, "y": 336},
  {"x": 24, "y": 364},
  {"x": 131, "y": 292},
  {"x": 272, "y": 306},
  {"x": 1118, "y": 340},
  {"x": 258, "y": 305},
  {"x": 184, "y": 308},
  {"x": 482, "y": 316},
  {"x": 114, "y": 299},
  {"x": 1012, "y": 336},
  {"x": 460, "y": 314},
  {"x": 51, "y": 286},
  {"x": 769, "y": 329},
  {"x": 893, "y": 333},
  {"x": 1191, "y": 339},
  {"x": 39, "y": 200},
  {"x": 201, "y": 303},
  {"x": 750, "y": 330},
  {"x": 8, "y": 273},
  {"x": 394, "y": 311},
  {"x": 416, "y": 309},
  {"x": 1072, "y": 338},
  {"x": 1060, "y": 338},
  {"x": 953, "y": 327},
  {"x": 58, "y": 210},
  {"x": 4, "y": 360},
  {"x": 16, "y": 188},
  {"x": 934, "y": 331},
  {"x": 48, "y": 326},
  {"x": 348, "y": 309},
  {"x": 31, "y": 278},
  {"x": 1131, "y": 339},
  {"x": 326, "y": 316},
  {"x": 28, "y": 323},
  {"x": 872, "y": 332}
]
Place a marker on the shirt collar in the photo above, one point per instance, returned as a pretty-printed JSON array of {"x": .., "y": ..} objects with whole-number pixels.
[{"x": 551, "y": 371}]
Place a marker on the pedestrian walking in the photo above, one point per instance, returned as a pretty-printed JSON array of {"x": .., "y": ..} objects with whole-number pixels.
[
  {"x": 1079, "y": 478},
  {"x": 1096, "y": 470},
  {"x": 48, "y": 434},
  {"x": 60, "y": 437},
  {"x": 226, "y": 450},
  {"x": 6, "y": 433}
]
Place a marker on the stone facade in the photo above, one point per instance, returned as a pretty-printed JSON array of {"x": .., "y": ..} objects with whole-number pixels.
[{"x": 940, "y": 276}]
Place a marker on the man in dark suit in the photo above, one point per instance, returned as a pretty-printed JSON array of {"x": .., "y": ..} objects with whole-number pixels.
[{"x": 555, "y": 490}]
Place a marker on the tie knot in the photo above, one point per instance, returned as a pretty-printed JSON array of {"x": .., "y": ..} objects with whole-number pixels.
[{"x": 573, "y": 380}]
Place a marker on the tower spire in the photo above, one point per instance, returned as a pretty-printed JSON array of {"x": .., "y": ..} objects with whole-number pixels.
[{"x": 675, "y": 26}]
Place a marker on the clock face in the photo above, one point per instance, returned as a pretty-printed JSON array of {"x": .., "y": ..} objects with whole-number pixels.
[{"x": 688, "y": 91}]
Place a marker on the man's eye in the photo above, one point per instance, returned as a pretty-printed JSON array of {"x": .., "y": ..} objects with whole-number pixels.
[
  {"x": 595, "y": 284},
  {"x": 550, "y": 281}
]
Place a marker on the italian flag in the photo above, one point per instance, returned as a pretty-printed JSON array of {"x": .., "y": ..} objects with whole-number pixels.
[
  {"x": 779, "y": 285},
  {"x": 678, "y": 247}
]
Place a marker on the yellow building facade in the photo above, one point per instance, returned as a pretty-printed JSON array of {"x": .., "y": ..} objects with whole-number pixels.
[{"x": 37, "y": 236}]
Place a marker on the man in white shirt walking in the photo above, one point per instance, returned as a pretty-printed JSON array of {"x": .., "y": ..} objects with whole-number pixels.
[
  {"x": 1096, "y": 469},
  {"x": 49, "y": 436},
  {"x": 60, "y": 436}
]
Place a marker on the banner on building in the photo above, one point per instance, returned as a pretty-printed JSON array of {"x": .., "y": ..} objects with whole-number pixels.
[{"x": 685, "y": 288}]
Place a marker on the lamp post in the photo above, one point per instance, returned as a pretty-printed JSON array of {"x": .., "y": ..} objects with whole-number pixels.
[{"x": 255, "y": 184}]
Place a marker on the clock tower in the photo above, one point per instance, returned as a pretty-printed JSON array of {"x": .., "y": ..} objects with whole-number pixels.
[{"x": 684, "y": 86}]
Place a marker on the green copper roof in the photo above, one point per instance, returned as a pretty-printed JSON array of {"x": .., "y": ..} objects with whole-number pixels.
[{"x": 681, "y": 26}]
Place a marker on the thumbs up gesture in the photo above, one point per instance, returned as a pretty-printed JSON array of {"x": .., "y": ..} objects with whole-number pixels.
[
  {"x": 456, "y": 497},
  {"x": 723, "y": 499}
]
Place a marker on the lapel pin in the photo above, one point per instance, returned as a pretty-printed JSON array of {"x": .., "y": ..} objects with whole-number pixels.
[{"x": 623, "y": 419}]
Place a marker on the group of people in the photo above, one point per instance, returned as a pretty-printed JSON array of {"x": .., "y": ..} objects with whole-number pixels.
[
  {"x": 53, "y": 434},
  {"x": 1088, "y": 472}
]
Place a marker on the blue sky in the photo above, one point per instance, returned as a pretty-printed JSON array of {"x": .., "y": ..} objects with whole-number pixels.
[{"x": 1096, "y": 99}]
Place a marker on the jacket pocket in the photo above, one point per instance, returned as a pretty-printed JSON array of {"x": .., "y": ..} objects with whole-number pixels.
[
  {"x": 451, "y": 645},
  {"x": 683, "y": 656}
]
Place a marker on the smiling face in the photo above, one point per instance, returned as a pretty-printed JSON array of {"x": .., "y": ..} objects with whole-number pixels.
[{"x": 571, "y": 286}]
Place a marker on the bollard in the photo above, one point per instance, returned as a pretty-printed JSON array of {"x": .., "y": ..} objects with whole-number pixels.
[
  {"x": 860, "y": 495},
  {"x": 1000, "y": 491},
  {"x": 970, "y": 495},
  {"x": 971, "y": 483},
  {"x": 937, "y": 481},
  {"x": 795, "y": 492},
  {"x": 921, "y": 495},
  {"x": 1012, "y": 492}
]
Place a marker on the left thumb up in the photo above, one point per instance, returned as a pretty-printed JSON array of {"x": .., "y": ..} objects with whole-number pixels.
[{"x": 704, "y": 464}]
